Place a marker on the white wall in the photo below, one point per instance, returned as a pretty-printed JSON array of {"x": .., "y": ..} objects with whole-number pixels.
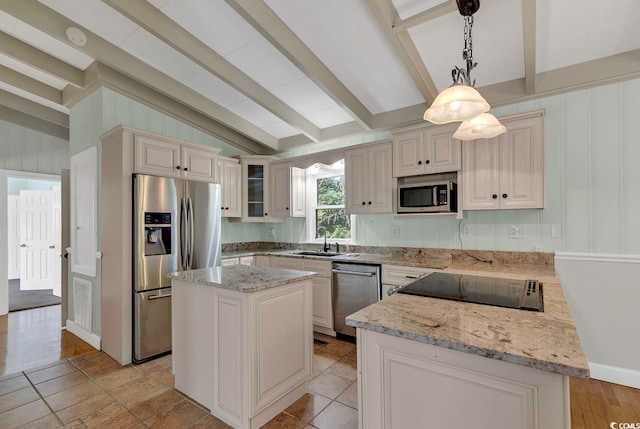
[{"x": 592, "y": 182}]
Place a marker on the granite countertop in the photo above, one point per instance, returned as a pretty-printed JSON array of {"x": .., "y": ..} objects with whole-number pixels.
[
  {"x": 242, "y": 278},
  {"x": 547, "y": 341}
]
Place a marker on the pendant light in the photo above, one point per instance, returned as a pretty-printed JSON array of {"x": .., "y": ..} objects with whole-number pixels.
[{"x": 461, "y": 101}]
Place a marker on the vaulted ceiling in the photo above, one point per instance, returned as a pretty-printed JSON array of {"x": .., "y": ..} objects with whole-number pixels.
[{"x": 267, "y": 75}]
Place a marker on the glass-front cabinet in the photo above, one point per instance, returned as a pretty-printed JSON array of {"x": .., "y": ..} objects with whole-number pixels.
[{"x": 255, "y": 187}]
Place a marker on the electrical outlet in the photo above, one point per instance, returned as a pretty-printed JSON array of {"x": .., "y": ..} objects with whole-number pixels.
[
  {"x": 395, "y": 230},
  {"x": 515, "y": 232},
  {"x": 556, "y": 231},
  {"x": 467, "y": 231},
  {"x": 272, "y": 233}
]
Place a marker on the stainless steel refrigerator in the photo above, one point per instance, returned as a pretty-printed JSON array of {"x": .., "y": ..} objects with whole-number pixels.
[{"x": 176, "y": 227}]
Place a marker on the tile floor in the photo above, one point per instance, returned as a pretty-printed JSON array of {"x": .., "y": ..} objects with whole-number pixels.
[{"x": 93, "y": 390}]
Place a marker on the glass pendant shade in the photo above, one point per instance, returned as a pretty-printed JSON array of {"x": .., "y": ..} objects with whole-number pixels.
[
  {"x": 456, "y": 103},
  {"x": 483, "y": 126}
]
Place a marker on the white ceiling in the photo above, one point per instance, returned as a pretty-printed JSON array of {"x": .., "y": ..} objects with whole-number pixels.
[{"x": 367, "y": 68}]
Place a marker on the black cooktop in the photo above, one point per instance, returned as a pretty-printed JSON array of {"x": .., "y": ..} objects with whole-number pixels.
[{"x": 511, "y": 293}]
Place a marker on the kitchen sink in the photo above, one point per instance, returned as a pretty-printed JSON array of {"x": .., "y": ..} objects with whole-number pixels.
[{"x": 326, "y": 254}]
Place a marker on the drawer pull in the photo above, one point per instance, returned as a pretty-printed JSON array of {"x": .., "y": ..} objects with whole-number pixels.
[{"x": 411, "y": 277}]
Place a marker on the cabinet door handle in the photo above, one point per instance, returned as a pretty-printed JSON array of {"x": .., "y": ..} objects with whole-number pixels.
[
  {"x": 185, "y": 169},
  {"x": 177, "y": 167},
  {"x": 494, "y": 196},
  {"x": 427, "y": 162},
  {"x": 286, "y": 208},
  {"x": 369, "y": 202},
  {"x": 419, "y": 162},
  {"x": 504, "y": 195},
  {"x": 226, "y": 208},
  {"x": 363, "y": 203},
  {"x": 266, "y": 214}
]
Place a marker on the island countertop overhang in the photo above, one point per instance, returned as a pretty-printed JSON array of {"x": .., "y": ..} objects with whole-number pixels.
[
  {"x": 547, "y": 341},
  {"x": 242, "y": 278}
]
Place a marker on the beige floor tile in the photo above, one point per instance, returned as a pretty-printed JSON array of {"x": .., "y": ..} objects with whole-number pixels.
[
  {"x": 155, "y": 365},
  {"x": 23, "y": 414},
  {"x": 76, "y": 424},
  {"x": 165, "y": 377},
  {"x": 87, "y": 409},
  {"x": 353, "y": 355},
  {"x": 155, "y": 404},
  {"x": 308, "y": 406},
  {"x": 13, "y": 384},
  {"x": 117, "y": 378},
  {"x": 328, "y": 385},
  {"x": 323, "y": 337},
  {"x": 210, "y": 422},
  {"x": 284, "y": 421},
  {"x": 322, "y": 361},
  {"x": 337, "y": 348},
  {"x": 61, "y": 383},
  {"x": 98, "y": 365},
  {"x": 138, "y": 391},
  {"x": 18, "y": 398},
  {"x": 50, "y": 373},
  {"x": 344, "y": 368},
  {"x": 72, "y": 396},
  {"x": 337, "y": 416},
  {"x": 182, "y": 414},
  {"x": 46, "y": 422},
  {"x": 118, "y": 417},
  {"x": 10, "y": 376},
  {"x": 349, "y": 396},
  {"x": 45, "y": 366}
]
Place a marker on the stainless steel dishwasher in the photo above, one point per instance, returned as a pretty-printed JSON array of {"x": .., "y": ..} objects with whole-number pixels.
[{"x": 355, "y": 286}]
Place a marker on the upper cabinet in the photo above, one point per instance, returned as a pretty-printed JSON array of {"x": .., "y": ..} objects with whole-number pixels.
[
  {"x": 170, "y": 158},
  {"x": 506, "y": 172},
  {"x": 288, "y": 196},
  {"x": 256, "y": 188},
  {"x": 230, "y": 179},
  {"x": 368, "y": 179},
  {"x": 426, "y": 150}
]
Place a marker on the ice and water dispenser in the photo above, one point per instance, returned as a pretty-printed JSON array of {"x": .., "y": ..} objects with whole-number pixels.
[{"x": 157, "y": 232}]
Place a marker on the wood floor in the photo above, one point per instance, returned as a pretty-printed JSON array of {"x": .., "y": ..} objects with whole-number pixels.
[{"x": 32, "y": 338}]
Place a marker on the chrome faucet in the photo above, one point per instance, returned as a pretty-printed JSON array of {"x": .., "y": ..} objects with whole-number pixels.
[{"x": 337, "y": 247}]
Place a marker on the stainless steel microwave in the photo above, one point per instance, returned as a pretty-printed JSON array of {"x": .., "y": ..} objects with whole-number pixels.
[{"x": 428, "y": 197}]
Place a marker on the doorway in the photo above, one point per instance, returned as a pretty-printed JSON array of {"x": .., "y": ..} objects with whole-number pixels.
[{"x": 30, "y": 273}]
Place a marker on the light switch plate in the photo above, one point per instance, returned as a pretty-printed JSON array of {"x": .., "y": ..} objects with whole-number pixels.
[
  {"x": 395, "y": 230},
  {"x": 515, "y": 232},
  {"x": 556, "y": 231},
  {"x": 467, "y": 231}
]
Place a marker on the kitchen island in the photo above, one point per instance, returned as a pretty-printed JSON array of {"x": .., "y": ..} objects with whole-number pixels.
[
  {"x": 428, "y": 362},
  {"x": 242, "y": 340}
]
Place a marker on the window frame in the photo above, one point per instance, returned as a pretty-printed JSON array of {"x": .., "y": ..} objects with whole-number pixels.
[{"x": 312, "y": 199}]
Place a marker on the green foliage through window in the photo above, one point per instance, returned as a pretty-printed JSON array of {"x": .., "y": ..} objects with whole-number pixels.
[{"x": 335, "y": 221}]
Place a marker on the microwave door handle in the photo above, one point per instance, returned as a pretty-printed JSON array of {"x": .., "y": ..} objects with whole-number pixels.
[{"x": 435, "y": 196}]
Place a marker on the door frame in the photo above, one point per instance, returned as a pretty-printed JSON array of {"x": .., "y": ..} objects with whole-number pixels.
[{"x": 4, "y": 191}]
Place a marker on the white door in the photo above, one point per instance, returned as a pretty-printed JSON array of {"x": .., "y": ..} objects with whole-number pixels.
[
  {"x": 355, "y": 170},
  {"x": 36, "y": 211},
  {"x": 55, "y": 248},
  {"x": 232, "y": 189},
  {"x": 13, "y": 239},
  {"x": 198, "y": 164},
  {"x": 281, "y": 189},
  {"x": 378, "y": 180}
]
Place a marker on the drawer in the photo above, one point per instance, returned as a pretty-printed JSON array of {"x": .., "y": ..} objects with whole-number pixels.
[
  {"x": 248, "y": 260},
  {"x": 230, "y": 261},
  {"x": 286, "y": 263},
  {"x": 262, "y": 261},
  {"x": 400, "y": 276},
  {"x": 323, "y": 268}
]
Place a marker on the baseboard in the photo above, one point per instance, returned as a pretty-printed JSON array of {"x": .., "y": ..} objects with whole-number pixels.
[
  {"x": 324, "y": 330},
  {"x": 92, "y": 339},
  {"x": 614, "y": 374}
]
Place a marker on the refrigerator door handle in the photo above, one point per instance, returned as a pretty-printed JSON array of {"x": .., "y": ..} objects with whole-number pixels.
[
  {"x": 166, "y": 295},
  {"x": 191, "y": 232},
  {"x": 184, "y": 239}
]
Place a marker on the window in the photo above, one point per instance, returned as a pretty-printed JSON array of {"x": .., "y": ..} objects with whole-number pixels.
[{"x": 326, "y": 212}]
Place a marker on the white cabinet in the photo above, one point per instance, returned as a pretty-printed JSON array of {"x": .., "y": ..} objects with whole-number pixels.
[
  {"x": 368, "y": 180},
  {"x": 322, "y": 294},
  {"x": 170, "y": 158},
  {"x": 286, "y": 263},
  {"x": 426, "y": 151},
  {"x": 262, "y": 261},
  {"x": 506, "y": 172},
  {"x": 244, "y": 356},
  {"x": 288, "y": 198},
  {"x": 229, "y": 261},
  {"x": 230, "y": 179},
  {"x": 256, "y": 188},
  {"x": 247, "y": 260},
  {"x": 402, "y": 382}
]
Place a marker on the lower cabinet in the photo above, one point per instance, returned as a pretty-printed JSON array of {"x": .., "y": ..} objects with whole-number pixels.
[
  {"x": 247, "y": 260},
  {"x": 322, "y": 289},
  {"x": 230, "y": 261},
  {"x": 245, "y": 356},
  {"x": 407, "y": 384},
  {"x": 262, "y": 261}
]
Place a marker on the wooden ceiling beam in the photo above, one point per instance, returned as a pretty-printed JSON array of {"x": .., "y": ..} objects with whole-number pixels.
[
  {"x": 278, "y": 33},
  {"x": 529, "y": 39},
  {"x": 26, "y": 83},
  {"x": 157, "y": 23}
]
